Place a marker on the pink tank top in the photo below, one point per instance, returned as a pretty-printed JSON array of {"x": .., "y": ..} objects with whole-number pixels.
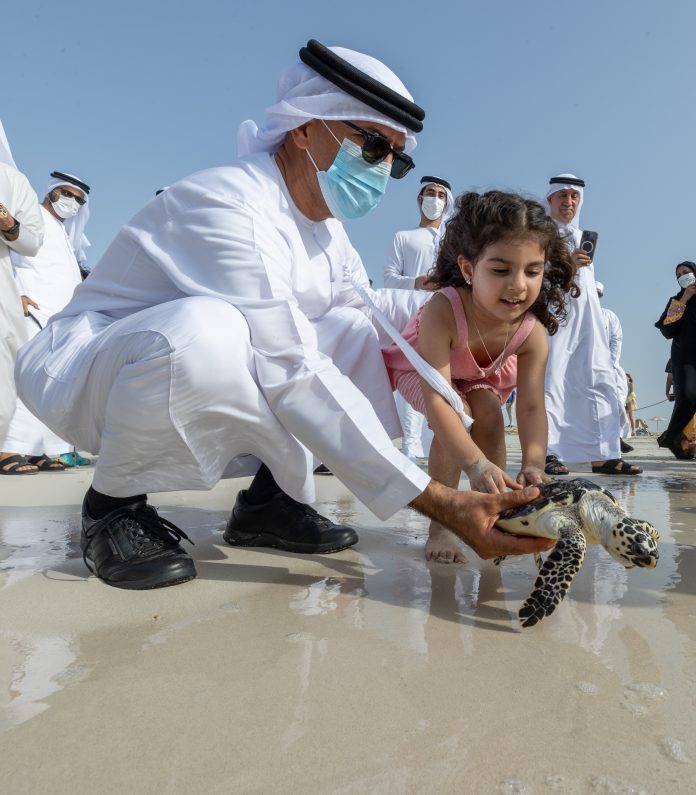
[{"x": 462, "y": 363}]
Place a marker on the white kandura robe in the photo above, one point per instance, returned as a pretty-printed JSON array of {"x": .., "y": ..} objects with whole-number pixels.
[
  {"x": 582, "y": 404},
  {"x": 412, "y": 253},
  {"x": 220, "y": 328},
  {"x": 19, "y": 198},
  {"x": 49, "y": 278},
  {"x": 615, "y": 336}
]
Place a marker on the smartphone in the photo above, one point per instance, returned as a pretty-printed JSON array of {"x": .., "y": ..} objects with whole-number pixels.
[{"x": 588, "y": 243}]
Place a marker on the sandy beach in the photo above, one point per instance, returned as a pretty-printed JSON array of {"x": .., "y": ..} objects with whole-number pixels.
[{"x": 365, "y": 671}]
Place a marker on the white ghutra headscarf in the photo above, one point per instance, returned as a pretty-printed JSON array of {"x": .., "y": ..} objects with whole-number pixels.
[
  {"x": 75, "y": 226},
  {"x": 570, "y": 230},
  {"x": 303, "y": 95},
  {"x": 5, "y": 153}
]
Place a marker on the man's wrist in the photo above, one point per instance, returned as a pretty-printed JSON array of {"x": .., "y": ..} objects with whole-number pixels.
[{"x": 12, "y": 230}]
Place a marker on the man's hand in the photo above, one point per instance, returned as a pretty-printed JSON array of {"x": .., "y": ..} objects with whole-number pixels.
[
  {"x": 580, "y": 258},
  {"x": 424, "y": 283},
  {"x": 472, "y": 516},
  {"x": 26, "y": 303}
]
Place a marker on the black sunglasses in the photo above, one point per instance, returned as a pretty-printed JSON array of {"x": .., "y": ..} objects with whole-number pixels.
[
  {"x": 69, "y": 195},
  {"x": 376, "y": 147}
]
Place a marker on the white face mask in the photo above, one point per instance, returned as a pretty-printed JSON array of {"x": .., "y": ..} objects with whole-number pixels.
[
  {"x": 65, "y": 207},
  {"x": 686, "y": 279},
  {"x": 432, "y": 207}
]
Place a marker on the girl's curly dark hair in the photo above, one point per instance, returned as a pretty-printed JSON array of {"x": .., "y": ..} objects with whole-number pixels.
[{"x": 483, "y": 219}]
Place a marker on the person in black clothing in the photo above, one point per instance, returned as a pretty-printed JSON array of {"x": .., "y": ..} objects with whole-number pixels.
[{"x": 678, "y": 323}]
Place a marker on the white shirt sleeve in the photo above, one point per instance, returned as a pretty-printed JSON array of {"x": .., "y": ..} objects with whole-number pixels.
[
  {"x": 227, "y": 251},
  {"x": 394, "y": 267},
  {"x": 24, "y": 207},
  {"x": 615, "y": 337}
]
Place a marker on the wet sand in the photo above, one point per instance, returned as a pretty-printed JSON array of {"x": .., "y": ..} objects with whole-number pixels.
[{"x": 365, "y": 671}]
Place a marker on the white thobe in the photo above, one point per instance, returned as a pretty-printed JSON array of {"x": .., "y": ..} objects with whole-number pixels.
[
  {"x": 220, "y": 329},
  {"x": 580, "y": 390},
  {"x": 615, "y": 336},
  {"x": 16, "y": 194},
  {"x": 412, "y": 254},
  {"x": 49, "y": 279}
]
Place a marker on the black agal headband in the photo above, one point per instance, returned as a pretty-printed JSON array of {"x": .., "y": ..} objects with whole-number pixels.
[
  {"x": 361, "y": 86},
  {"x": 70, "y": 180},
  {"x": 567, "y": 181},
  {"x": 434, "y": 181}
]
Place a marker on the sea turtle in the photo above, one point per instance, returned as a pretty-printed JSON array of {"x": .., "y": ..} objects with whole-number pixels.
[{"x": 576, "y": 512}]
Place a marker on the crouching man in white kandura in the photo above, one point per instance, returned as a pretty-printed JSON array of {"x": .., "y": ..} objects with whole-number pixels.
[{"x": 221, "y": 330}]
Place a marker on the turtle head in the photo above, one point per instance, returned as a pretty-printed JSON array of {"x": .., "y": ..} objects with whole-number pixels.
[{"x": 633, "y": 542}]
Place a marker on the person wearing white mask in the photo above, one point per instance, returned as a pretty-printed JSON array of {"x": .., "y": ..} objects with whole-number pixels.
[
  {"x": 46, "y": 282},
  {"x": 678, "y": 324},
  {"x": 412, "y": 252},
  {"x": 21, "y": 231},
  {"x": 222, "y": 334},
  {"x": 411, "y": 255},
  {"x": 580, "y": 391}
]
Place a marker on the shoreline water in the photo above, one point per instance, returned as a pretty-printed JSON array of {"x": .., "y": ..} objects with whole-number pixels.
[{"x": 366, "y": 671}]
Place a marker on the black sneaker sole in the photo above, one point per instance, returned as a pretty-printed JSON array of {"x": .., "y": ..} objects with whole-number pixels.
[
  {"x": 155, "y": 581},
  {"x": 238, "y": 539}
]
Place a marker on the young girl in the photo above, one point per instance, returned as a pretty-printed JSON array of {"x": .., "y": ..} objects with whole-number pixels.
[{"x": 502, "y": 273}]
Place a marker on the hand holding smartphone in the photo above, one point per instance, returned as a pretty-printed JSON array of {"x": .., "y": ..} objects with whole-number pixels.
[{"x": 588, "y": 243}]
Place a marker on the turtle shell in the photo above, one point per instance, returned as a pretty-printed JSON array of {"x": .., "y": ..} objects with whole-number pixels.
[{"x": 554, "y": 494}]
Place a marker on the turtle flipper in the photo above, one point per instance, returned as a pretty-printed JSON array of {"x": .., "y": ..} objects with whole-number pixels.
[{"x": 556, "y": 575}]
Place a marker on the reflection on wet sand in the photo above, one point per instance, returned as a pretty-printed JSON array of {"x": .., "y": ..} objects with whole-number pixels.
[{"x": 367, "y": 671}]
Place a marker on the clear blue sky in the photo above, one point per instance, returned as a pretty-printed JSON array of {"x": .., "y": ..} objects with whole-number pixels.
[{"x": 134, "y": 95}]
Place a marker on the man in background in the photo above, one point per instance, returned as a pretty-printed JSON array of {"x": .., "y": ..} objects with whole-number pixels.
[{"x": 411, "y": 255}]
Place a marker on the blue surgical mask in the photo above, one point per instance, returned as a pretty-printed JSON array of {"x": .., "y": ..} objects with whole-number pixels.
[{"x": 352, "y": 187}]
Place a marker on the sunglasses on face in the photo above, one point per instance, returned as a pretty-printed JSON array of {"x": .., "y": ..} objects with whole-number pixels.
[
  {"x": 376, "y": 148},
  {"x": 68, "y": 195}
]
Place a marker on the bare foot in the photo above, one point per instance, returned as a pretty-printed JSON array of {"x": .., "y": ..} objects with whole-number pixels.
[{"x": 443, "y": 546}]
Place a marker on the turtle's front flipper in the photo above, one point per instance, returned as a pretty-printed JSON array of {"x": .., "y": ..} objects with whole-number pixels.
[{"x": 556, "y": 575}]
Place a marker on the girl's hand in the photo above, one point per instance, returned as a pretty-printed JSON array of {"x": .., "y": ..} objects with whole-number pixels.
[
  {"x": 486, "y": 476},
  {"x": 532, "y": 476}
]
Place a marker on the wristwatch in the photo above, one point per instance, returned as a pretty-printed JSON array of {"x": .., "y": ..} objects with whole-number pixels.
[{"x": 12, "y": 230}]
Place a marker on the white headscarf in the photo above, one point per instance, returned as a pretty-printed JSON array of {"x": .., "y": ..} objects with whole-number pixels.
[
  {"x": 302, "y": 95},
  {"x": 5, "y": 153},
  {"x": 75, "y": 226},
  {"x": 575, "y": 221}
]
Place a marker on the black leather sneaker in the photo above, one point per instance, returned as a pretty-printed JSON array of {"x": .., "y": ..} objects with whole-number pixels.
[
  {"x": 283, "y": 523},
  {"x": 135, "y": 548}
]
